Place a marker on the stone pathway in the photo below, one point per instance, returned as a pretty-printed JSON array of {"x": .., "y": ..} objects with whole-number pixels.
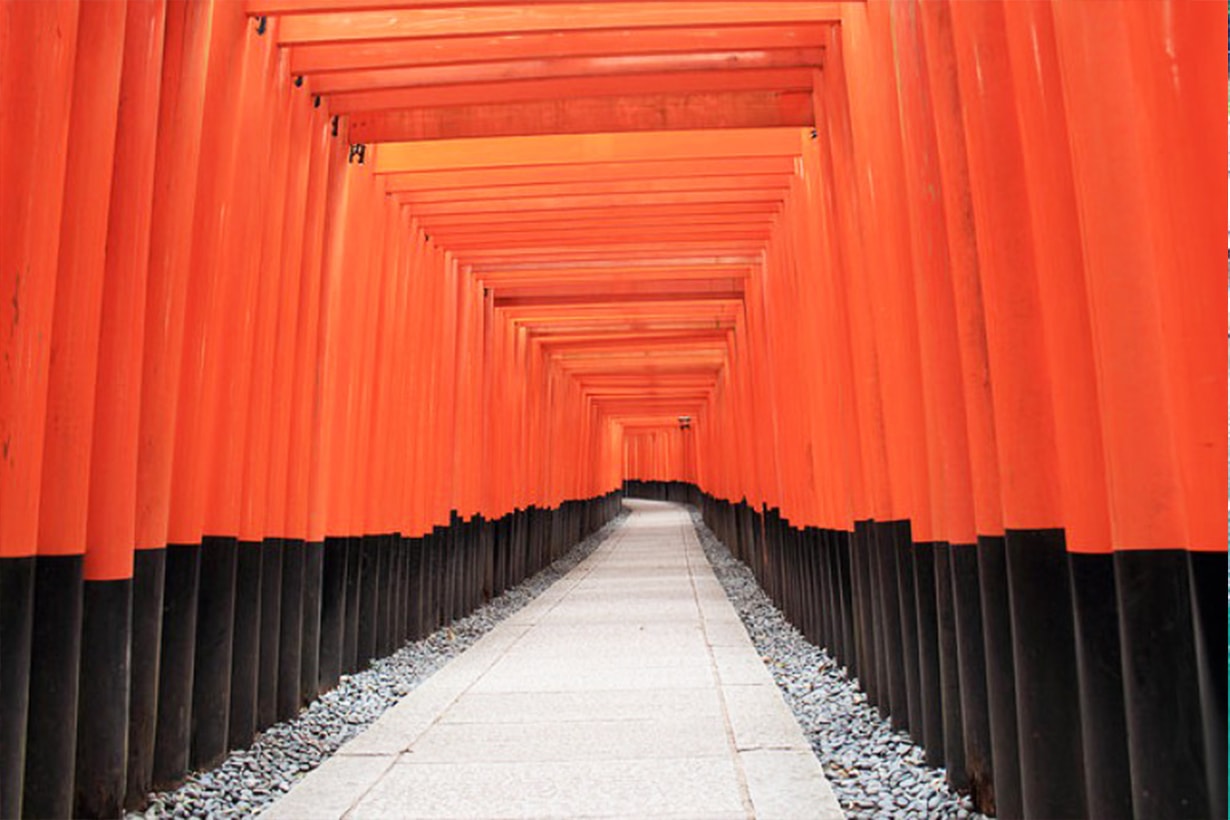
[{"x": 628, "y": 689}]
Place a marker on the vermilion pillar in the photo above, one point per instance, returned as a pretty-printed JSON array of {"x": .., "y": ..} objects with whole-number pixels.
[
  {"x": 71, "y": 390},
  {"x": 38, "y": 43}
]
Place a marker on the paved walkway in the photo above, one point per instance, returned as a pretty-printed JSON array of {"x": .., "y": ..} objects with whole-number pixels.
[{"x": 629, "y": 688}]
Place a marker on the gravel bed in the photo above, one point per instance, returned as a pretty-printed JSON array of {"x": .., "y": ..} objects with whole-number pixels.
[
  {"x": 875, "y": 771},
  {"x": 249, "y": 780}
]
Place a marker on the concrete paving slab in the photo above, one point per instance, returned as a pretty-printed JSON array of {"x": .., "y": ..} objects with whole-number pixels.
[
  {"x": 784, "y": 786},
  {"x": 332, "y": 789},
  {"x": 561, "y": 741},
  {"x": 587, "y": 705},
  {"x": 628, "y": 689}
]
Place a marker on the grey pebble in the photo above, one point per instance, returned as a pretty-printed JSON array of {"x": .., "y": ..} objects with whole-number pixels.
[
  {"x": 874, "y": 770},
  {"x": 251, "y": 779}
]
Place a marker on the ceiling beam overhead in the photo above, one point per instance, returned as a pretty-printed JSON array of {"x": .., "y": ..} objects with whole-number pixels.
[
  {"x": 557, "y": 149},
  {"x": 497, "y": 72},
  {"x": 458, "y": 20},
  {"x": 645, "y": 112},
  {"x": 569, "y": 88},
  {"x": 547, "y": 45}
]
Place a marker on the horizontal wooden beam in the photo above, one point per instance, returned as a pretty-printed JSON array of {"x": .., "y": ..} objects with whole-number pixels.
[
  {"x": 548, "y": 150},
  {"x": 499, "y": 279},
  {"x": 421, "y": 22},
  {"x": 501, "y": 72},
  {"x": 669, "y": 210},
  {"x": 481, "y": 178},
  {"x": 658, "y": 227},
  {"x": 563, "y": 88},
  {"x": 616, "y": 298},
  {"x": 464, "y": 246},
  {"x": 650, "y": 112},
  {"x": 776, "y": 183},
  {"x": 702, "y": 249},
  {"x": 558, "y": 203},
  {"x": 698, "y": 261},
  {"x": 442, "y": 52}
]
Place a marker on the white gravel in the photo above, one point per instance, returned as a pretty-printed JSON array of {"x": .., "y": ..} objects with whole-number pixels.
[
  {"x": 250, "y": 779},
  {"x": 875, "y": 771}
]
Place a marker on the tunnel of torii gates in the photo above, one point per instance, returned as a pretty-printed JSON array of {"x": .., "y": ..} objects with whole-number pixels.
[{"x": 323, "y": 321}]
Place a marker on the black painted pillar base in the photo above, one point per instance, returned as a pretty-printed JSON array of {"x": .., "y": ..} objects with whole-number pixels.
[
  {"x": 245, "y": 646},
  {"x": 332, "y": 615},
  {"x": 366, "y": 628},
  {"x": 16, "y": 626},
  {"x": 964, "y": 561},
  {"x": 312, "y": 635},
  {"x": 211, "y": 683},
  {"x": 861, "y": 579},
  {"x": 1099, "y": 666},
  {"x": 1000, "y": 676},
  {"x": 290, "y": 630},
  {"x": 909, "y": 628},
  {"x": 272, "y": 551},
  {"x": 931, "y": 708},
  {"x": 1164, "y": 715},
  {"x": 948, "y": 619},
  {"x": 55, "y": 663},
  {"x": 176, "y": 666},
  {"x": 102, "y": 701},
  {"x": 1044, "y": 661},
  {"x": 148, "y": 577},
  {"x": 1207, "y": 572},
  {"x": 350, "y": 618}
]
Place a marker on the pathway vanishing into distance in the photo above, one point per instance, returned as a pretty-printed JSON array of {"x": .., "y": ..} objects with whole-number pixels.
[{"x": 629, "y": 688}]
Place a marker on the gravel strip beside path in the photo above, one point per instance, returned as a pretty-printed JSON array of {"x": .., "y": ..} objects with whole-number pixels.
[
  {"x": 249, "y": 780},
  {"x": 876, "y": 772}
]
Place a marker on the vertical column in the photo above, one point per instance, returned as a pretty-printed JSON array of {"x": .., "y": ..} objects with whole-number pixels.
[
  {"x": 38, "y": 44},
  {"x": 1135, "y": 264},
  {"x": 64, "y": 496},
  {"x": 1043, "y": 649},
  {"x": 106, "y": 659},
  {"x": 165, "y": 572}
]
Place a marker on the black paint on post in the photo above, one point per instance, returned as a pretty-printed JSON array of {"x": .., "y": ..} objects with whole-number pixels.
[
  {"x": 909, "y": 629},
  {"x": 950, "y": 669},
  {"x": 845, "y": 591},
  {"x": 148, "y": 577},
  {"x": 414, "y": 588},
  {"x": 1044, "y": 660},
  {"x": 860, "y": 566},
  {"x": 350, "y": 620},
  {"x": 369, "y": 570},
  {"x": 55, "y": 663},
  {"x": 176, "y": 665},
  {"x": 1099, "y": 666},
  {"x": 1206, "y": 571},
  {"x": 1000, "y": 675},
  {"x": 290, "y": 630},
  {"x": 332, "y": 615},
  {"x": 270, "y": 632},
  {"x": 102, "y": 699},
  {"x": 384, "y": 600},
  {"x": 16, "y": 627},
  {"x": 1164, "y": 715},
  {"x": 979, "y": 751},
  {"x": 886, "y": 541},
  {"x": 211, "y": 683},
  {"x": 931, "y": 702},
  {"x": 245, "y": 652},
  {"x": 310, "y": 643}
]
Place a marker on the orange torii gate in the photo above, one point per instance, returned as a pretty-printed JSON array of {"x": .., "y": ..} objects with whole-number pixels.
[{"x": 324, "y": 319}]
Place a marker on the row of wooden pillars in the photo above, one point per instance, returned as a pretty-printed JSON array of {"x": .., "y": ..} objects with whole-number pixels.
[
  {"x": 956, "y": 644},
  {"x": 134, "y": 683}
]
